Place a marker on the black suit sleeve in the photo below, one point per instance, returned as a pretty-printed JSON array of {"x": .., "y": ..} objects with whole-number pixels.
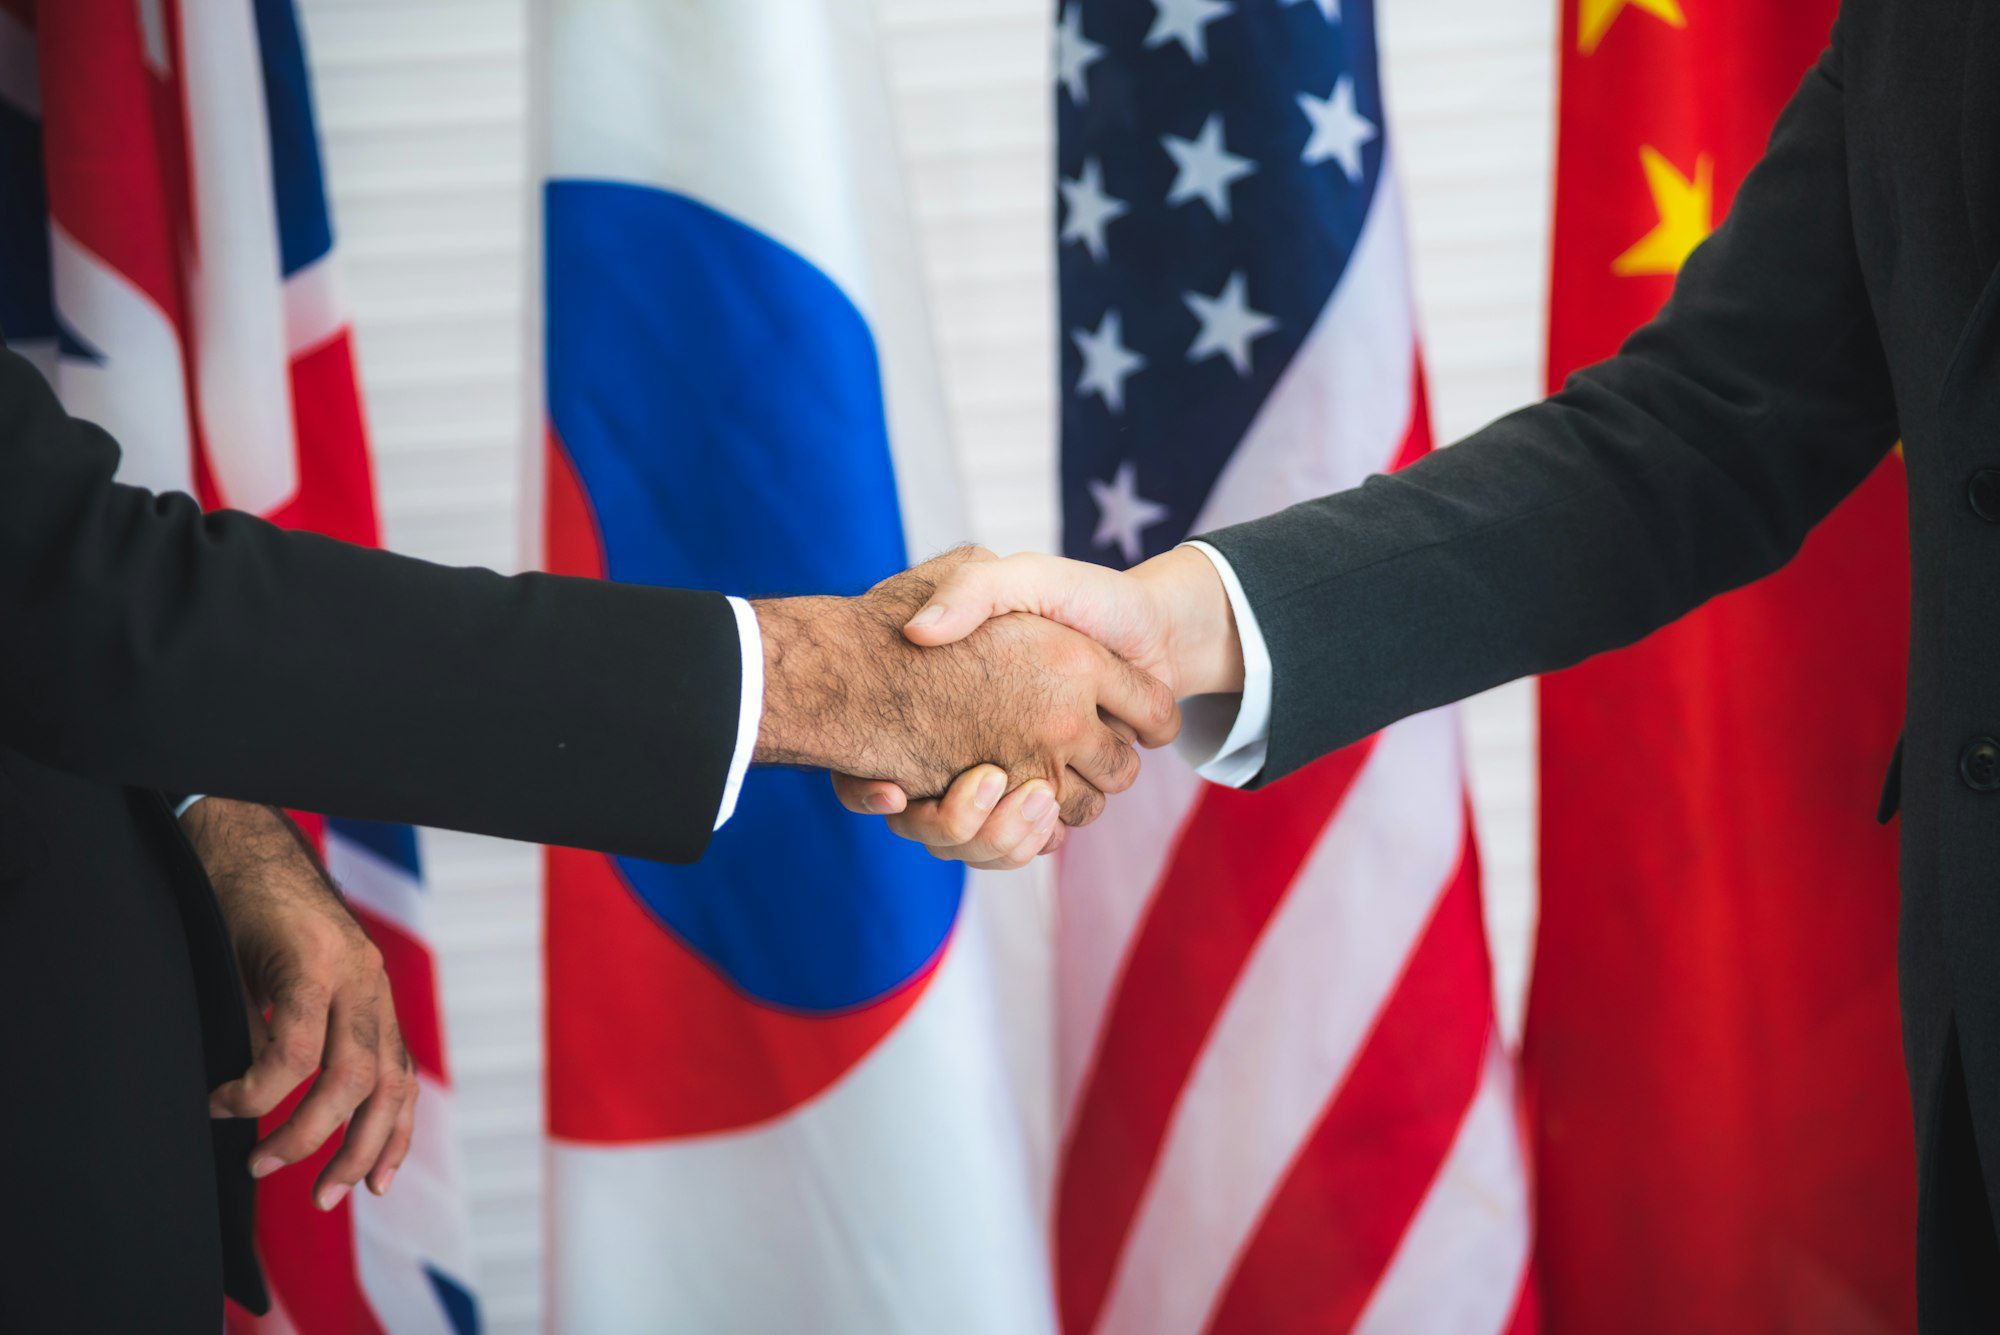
[
  {"x": 1692, "y": 462},
  {"x": 145, "y": 643}
]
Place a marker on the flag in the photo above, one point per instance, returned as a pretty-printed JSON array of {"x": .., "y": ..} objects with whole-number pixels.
[
  {"x": 166, "y": 256},
  {"x": 1723, "y": 1133},
  {"x": 777, "y": 1080},
  {"x": 1286, "y": 1106}
]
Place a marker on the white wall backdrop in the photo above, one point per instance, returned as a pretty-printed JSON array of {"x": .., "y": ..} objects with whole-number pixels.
[{"x": 424, "y": 113}]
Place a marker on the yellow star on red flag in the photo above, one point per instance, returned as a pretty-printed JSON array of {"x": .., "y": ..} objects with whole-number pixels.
[
  {"x": 1595, "y": 17},
  {"x": 1687, "y": 211}
]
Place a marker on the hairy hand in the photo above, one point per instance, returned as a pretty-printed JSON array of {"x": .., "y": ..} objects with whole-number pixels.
[
  {"x": 1169, "y": 617},
  {"x": 319, "y": 1004},
  {"x": 845, "y": 690}
]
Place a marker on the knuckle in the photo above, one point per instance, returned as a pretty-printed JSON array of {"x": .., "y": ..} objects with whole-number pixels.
[
  {"x": 961, "y": 825},
  {"x": 1067, "y": 727},
  {"x": 311, "y": 995},
  {"x": 1021, "y": 854},
  {"x": 298, "y": 1053},
  {"x": 1084, "y": 808},
  {"x": 255, "y": 1102},
  {"x": 365, "y": 1028},
  {"x": 981, "y": 849},
  {"x": 354, "y": 1076},
  {"x": 394, "y": 1083},
  {"x": 1079, "y": 656}
]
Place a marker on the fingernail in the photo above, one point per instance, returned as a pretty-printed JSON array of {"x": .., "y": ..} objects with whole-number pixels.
[
  {"x": 989, "y": 792},
  {"x": 382, "y": 1188},
  {"x": 331, "y": 1197},
  {"x": 217, "y": 1110},
  {"x": 930, "y": 616},
  {"x": 266, "y": 1166},
  {"x": 1038, "y": 806},
  {"x": 879, "y": 803}
]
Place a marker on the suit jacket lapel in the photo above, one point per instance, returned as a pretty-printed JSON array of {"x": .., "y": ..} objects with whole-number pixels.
[
  {"x": 1980, "y": 139},
  {"x": 1979, "y": 144}
]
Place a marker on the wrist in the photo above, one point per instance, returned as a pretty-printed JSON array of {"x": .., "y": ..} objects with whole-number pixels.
[
  {"x": 245, "y": 847},
  {"x": 1203, "y": 648},
  {"x": 807, "y": 691}
]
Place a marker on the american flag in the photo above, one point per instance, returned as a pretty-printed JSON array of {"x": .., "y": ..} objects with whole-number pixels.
[
  {"x": 1285, "y": 1102},
  {"x": 166, "y": 257}
]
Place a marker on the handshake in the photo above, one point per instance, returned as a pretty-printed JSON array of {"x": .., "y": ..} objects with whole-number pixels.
[{"x": 974, "y": 700}]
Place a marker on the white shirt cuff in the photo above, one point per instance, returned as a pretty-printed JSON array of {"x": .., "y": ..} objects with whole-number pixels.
[
  {"x": 749, "y": 711},
  {"x": 186, "y": 804},
  {"x": 1227, "y": 737}
]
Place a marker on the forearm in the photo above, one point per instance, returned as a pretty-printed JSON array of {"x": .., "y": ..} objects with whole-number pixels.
[
  {"x": 151, "y": 645},
  {"x": 241, "y": 841},
  {"x": 1691, "y": 463}
]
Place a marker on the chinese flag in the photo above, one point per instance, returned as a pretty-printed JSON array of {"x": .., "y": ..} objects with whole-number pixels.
[{"x": 1712, "y": 1050}]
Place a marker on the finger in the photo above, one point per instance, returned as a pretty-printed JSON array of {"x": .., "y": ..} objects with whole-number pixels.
[
  {"x": 1057, "y": 838},
  {"x": 919, "y": 823},
  {"x": 1107, "y": 762},
  {"x": 1023, "y": 812},
  {"x": 370, "y": 1146},
  {"x": 288, "y": 1058},
  {"x": 349, "y": 1076},
  {"x": 367, "y": 1138},
  {"x": 1023, "y": 844},
  {"x": 384, "y": 1171},
  {"x": 869, "y": 797},
  {"x": 1139, "y": 700},
  {"x": 976, "y": 592},
  {"x": 970, "y": 800},
  {"x": 1081, "y": 802},
  {"x": 950, "y": 820}
]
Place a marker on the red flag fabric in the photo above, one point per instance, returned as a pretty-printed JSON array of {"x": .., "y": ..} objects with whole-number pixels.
[
  {"x": 170, "y": 265},
  {"x": 1712, "y": 1050}
]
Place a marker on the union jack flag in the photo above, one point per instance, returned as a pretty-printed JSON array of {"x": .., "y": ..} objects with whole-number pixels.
[
  {"x": 166, "y": 256},
  {"x": 1285, "y": 1103}
]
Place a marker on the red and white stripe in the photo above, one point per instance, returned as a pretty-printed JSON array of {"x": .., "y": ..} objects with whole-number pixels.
[{"x": 1285, "y": 1103}]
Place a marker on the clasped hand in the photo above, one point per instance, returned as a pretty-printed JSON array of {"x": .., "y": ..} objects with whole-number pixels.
[{"x": 1025, "y": 683}]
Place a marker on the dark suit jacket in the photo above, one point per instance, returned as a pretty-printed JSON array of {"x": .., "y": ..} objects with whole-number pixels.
[
  {"x": 1851, "y": 297},
  {"x": 145, "y": 646}
]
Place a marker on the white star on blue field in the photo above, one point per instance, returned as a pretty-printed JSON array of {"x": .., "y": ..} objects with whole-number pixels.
[{"x": 1216, "y": 160}]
